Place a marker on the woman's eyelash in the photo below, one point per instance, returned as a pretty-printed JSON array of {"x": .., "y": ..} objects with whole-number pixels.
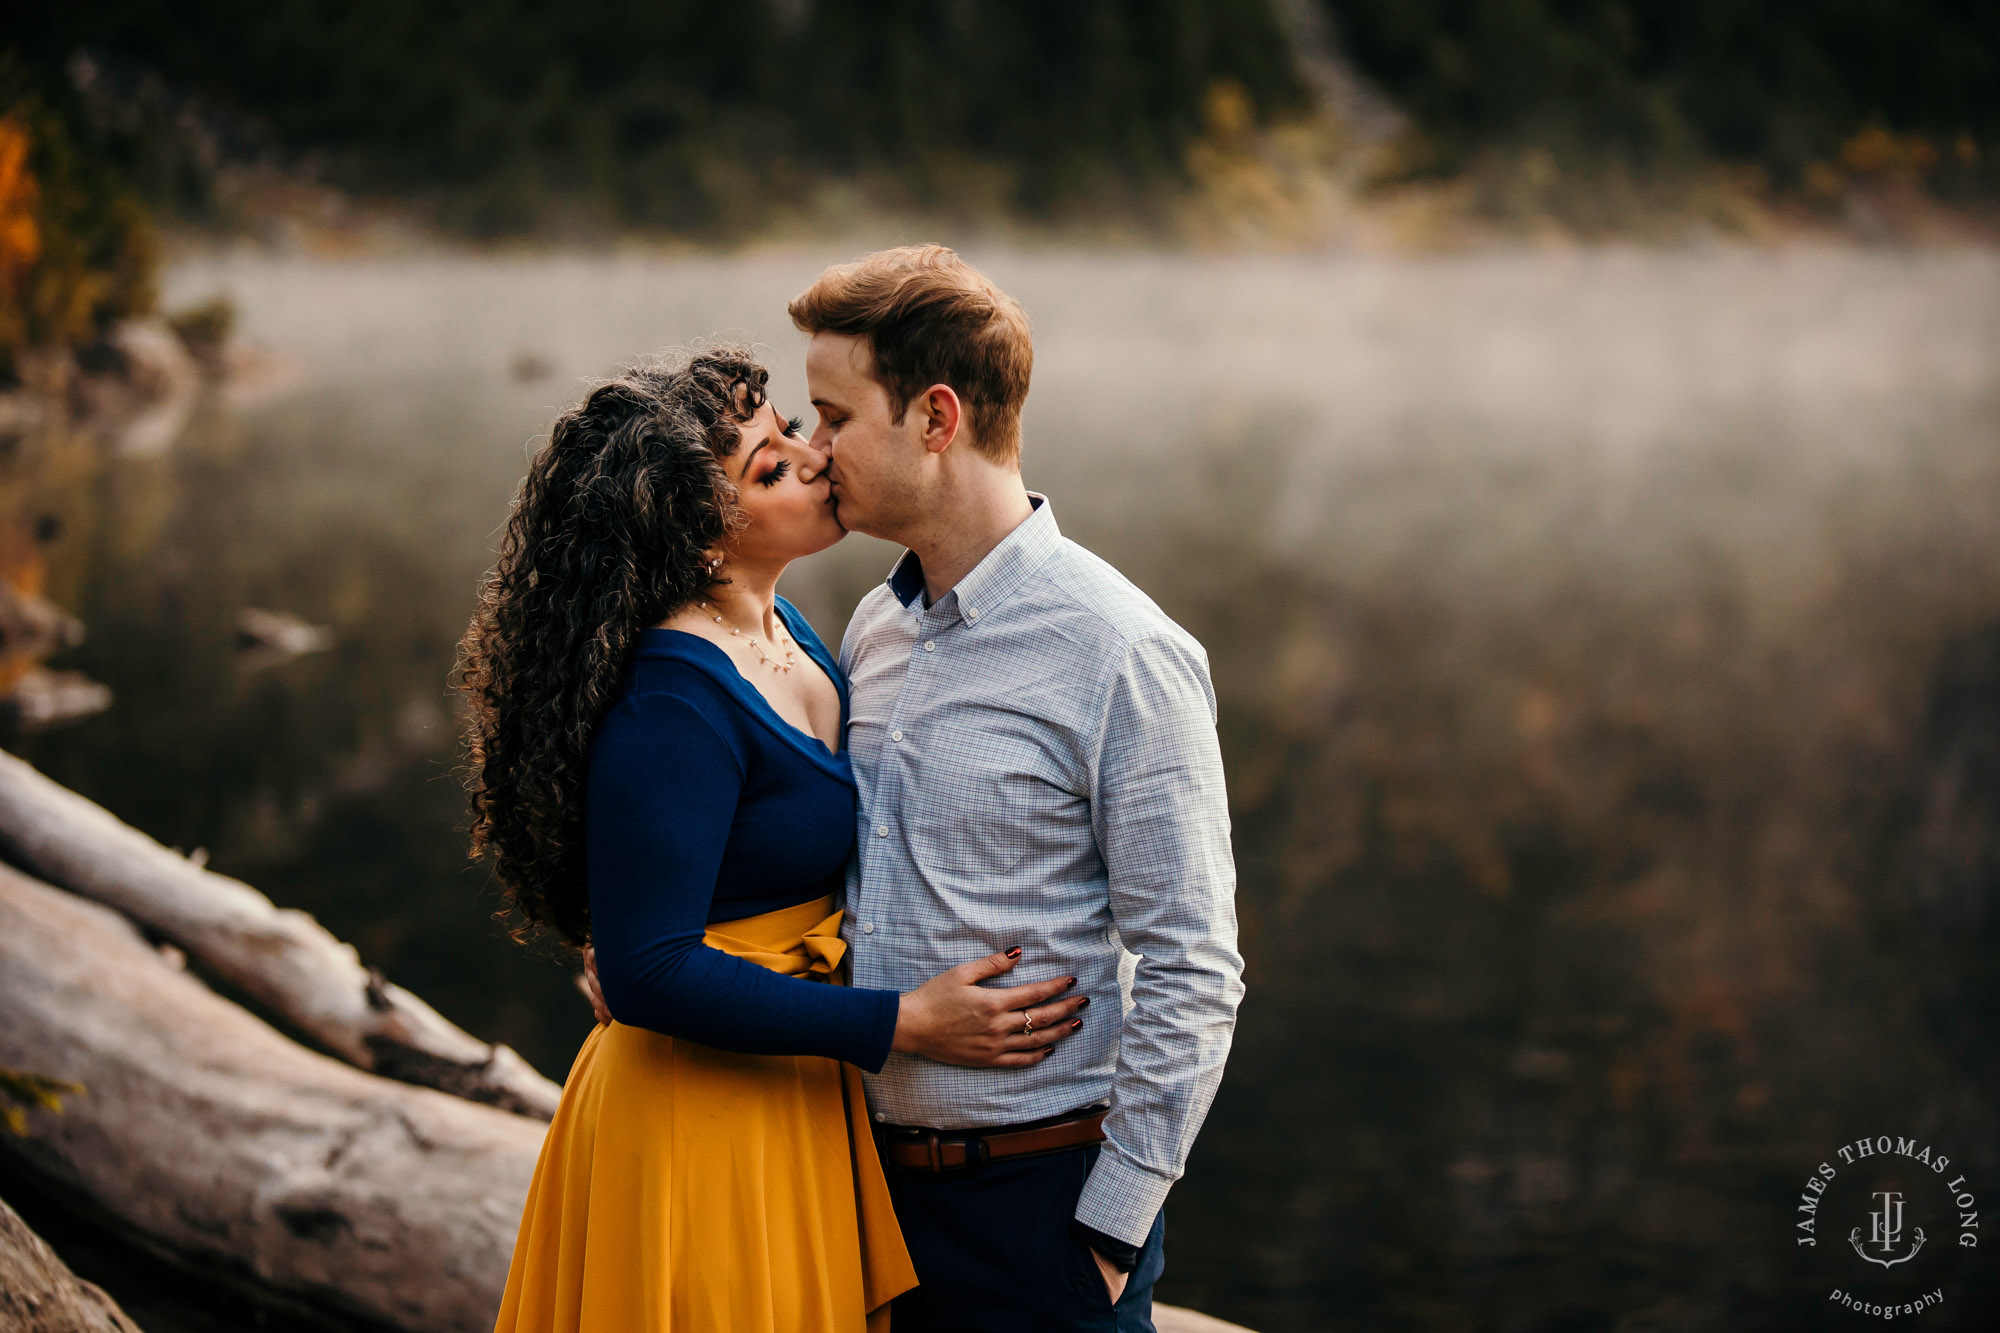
[
  {"x": 771, "y": 478},
  {"x": 795, "y": 425}
]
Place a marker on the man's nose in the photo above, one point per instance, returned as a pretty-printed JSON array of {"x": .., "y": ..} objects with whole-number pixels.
[{"x": 812, "y": 462}]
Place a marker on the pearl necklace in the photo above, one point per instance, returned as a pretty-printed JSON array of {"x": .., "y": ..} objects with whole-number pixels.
[{"x": 791, "y": 657}]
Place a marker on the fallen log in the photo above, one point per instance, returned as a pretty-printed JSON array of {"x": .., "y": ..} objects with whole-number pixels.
[
  {"x": 221, "y": 1144},
  {"x": 38, "y": 1293},
  {"x": 280, "y": 958}
]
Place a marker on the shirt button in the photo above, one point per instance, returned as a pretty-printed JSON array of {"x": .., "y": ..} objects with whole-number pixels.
[
  {"x": 881, "y": 830},
  {"x": 972, "y": 613},
  {"x": 930, "y": 645},
  {"x": 895, "y": 735},
  {"x": 882, "y": 1116},
  {"x": 867, "y": 927}
]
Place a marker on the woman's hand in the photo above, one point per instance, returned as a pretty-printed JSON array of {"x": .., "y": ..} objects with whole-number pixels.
[
  {"x": 954, "y": 1019},
  {"x": 587, "y": 982}
]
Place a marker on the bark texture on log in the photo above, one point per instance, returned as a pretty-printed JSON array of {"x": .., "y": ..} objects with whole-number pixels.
[
  {"x": 38, "y": 1293},
  {"x": 281, "y": 958},
  {"x": 221, "y": 1142}
]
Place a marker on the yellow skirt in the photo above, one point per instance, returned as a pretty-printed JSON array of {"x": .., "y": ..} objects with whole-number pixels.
[{"x": 683, "y": 1189}]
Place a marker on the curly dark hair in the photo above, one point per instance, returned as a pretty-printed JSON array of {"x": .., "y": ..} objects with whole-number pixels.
[{"x": 606, "y": 538}]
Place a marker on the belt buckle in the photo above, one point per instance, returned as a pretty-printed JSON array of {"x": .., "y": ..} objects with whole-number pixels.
[{"x": 977, "y": 1154}]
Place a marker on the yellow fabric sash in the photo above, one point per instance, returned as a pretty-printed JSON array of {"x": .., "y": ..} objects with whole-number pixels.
[{"x": 802, "y": 940}]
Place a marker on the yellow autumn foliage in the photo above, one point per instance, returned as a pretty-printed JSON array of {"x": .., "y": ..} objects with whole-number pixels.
[
  {"x": 77, "y": 251},
  {"x": 20, "y": 233}
]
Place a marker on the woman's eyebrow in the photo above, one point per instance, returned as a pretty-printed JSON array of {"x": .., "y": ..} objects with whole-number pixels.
[{"x": 768, "y": 439}]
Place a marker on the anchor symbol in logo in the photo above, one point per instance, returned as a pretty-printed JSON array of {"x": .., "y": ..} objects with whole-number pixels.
[{"x": 1885, "y": 1228}]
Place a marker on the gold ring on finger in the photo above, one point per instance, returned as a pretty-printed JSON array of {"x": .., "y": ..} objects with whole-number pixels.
[{"x": 1027, "y": 1026}]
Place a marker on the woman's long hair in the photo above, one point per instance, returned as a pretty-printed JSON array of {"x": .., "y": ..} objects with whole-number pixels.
[{"x": 607, "y": 537}]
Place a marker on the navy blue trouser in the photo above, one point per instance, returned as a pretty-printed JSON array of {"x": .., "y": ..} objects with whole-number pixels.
[{"x": 993, "y": 1251}]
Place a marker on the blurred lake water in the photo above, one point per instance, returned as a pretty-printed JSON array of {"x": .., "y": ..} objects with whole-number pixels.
[{"x": 1608, "y": 646}]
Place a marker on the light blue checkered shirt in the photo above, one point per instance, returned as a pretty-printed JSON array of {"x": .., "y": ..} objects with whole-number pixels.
[{"x": 1038, "y": 766}]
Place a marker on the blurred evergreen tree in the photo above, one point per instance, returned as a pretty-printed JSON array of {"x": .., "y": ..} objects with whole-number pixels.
[
  {"x": 691, "y": 114},
  {"x": 716, "y": 118},
  {"x": 1669, "y": 82}
]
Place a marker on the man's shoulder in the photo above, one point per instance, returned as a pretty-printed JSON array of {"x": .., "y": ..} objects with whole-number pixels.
[
  {"x": 878, "y": 607},
  {"x": 879, "y": 603},
  {"x": 1098, "y": 593}
]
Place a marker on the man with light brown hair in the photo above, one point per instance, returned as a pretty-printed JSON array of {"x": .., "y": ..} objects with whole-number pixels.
[{"x": 1035, "y": 746}]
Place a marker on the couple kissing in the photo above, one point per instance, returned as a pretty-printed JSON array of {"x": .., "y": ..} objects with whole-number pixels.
[{"x": 915, "y": 967}]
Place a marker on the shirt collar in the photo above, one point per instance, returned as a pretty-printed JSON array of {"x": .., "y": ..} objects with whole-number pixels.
[{"x": 994, "y": 579}]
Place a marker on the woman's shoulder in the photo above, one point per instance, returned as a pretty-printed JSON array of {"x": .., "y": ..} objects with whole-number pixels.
[{"x": 672, "y": 688}]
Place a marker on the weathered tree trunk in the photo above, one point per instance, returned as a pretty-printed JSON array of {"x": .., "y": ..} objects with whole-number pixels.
[
  {"x": 38, "y": 1293},
  {"x": 281, "y": 958},
  {"x": 222, "y": 1143}
]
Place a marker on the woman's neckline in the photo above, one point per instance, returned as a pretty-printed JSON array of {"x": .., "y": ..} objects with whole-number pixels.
[{"x": 785, "y": 728}]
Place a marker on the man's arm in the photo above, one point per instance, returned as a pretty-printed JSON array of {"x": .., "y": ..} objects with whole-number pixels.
[{"x": 1162, "y": 822}]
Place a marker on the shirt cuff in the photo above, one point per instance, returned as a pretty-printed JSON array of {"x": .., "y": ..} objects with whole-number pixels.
[{"x": 1121, "y": 1198}]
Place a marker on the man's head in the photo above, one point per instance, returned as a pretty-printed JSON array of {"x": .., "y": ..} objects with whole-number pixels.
[{"x": 918, "y": 367}]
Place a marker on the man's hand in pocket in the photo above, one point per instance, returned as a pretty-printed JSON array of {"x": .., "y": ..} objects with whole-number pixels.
[{"x": 1114, "y": 1281}]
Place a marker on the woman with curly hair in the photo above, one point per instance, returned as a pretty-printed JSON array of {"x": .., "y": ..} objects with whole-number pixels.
[{"x": 657, "y": 772}]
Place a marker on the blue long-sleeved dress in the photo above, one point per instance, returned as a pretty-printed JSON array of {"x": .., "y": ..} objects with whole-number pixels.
[{"x": 703, "y": 805}]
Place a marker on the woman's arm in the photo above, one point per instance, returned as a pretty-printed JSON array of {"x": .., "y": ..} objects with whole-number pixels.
[
  {"x": 657, "y": 813},
  {"x": 662, "y": 795}
]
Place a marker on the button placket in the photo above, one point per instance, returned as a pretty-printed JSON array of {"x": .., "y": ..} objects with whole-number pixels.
[
  {"x": 889, "y": 782},
  {"x": 887, "y": 790}
]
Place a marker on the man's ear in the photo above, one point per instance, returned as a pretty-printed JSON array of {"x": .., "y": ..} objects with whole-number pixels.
[{"x": 943, "y": 415}]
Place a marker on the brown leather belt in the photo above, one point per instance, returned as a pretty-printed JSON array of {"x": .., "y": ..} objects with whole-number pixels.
[{"x": 916, "y": 1148}]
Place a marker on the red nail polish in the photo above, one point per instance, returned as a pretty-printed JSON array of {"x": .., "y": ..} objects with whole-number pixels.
[
  {"x": 1014, "y": 952},
  {"x": 1075, "y": 1024},
  {"x": 1083, "y": 1004}
]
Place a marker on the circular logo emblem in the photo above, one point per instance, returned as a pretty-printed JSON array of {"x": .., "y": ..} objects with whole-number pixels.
[{"x": 1887, "y": 1223}]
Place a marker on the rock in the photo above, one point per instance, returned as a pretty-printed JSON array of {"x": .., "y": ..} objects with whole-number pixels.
[
  {"x": 32, "y": 627},
  {"x": 205, "y": 329},
  {"x": 141, "y": 385},
  {"x": 41, "y": 698},
  {"x": 270, "y": 637}
]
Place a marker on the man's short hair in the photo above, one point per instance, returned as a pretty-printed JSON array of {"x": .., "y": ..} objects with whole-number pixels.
[{"x": 931, "y": 318}]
